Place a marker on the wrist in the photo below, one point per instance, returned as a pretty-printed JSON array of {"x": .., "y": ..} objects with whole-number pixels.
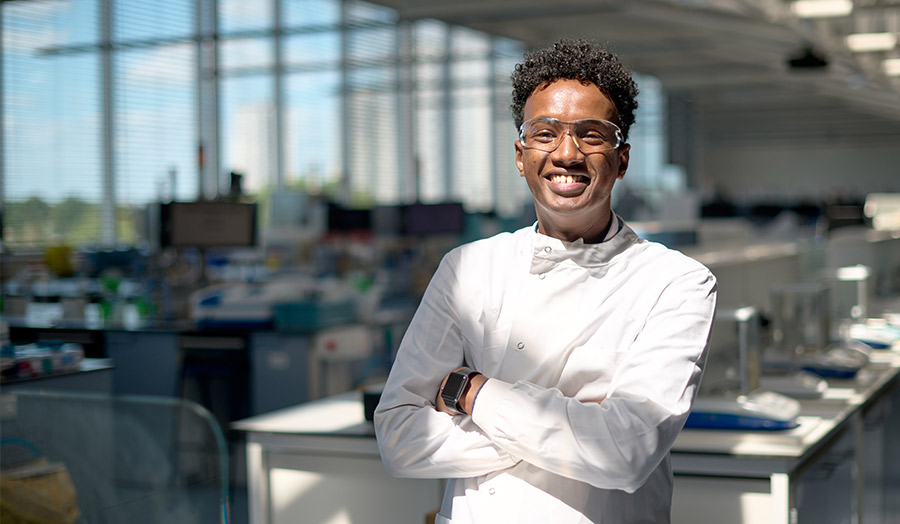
[
  {"x": 456, "y": 390},
  {"x": 474, "y": 386}
]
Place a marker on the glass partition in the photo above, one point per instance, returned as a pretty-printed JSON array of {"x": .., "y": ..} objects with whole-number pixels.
[{"x": 96, "y": 458}]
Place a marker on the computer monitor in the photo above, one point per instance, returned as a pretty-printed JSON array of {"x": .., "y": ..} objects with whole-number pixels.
[
  {"x": 211, "y": 224},
  {"x": 447, "y": 218},
  {"x": 347, "y": 220}
]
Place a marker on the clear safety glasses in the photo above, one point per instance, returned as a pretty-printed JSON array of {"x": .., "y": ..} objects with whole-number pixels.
[{"x": 591, "y": 135}]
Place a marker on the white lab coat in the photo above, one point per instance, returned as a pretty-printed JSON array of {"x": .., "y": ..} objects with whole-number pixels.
[{"x": 557, "y": 327}]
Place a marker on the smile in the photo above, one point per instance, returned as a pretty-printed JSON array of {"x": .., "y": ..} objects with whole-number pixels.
[{"x": 568, "y": 179}]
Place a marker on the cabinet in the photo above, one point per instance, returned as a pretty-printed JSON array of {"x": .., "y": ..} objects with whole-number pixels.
[
  {"x": 880, "y": 460},
  {"x": 837, "y": 467},
  {"x": 146, "y": 362},
  {"x": 234, "y": 375},
  {"x": 280, "y": 369}
]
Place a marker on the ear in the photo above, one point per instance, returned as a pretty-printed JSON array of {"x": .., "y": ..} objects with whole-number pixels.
[
  {"x": 623, "y": 152},
  {"x": 520, "y": 160}
]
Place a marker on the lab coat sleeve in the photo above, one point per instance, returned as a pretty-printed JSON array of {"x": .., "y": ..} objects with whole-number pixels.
[
  {"x": 617, "y": 443},
  {"x": 414, "y": 439}
]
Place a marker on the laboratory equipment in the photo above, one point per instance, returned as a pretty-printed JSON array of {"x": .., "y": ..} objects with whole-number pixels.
[
  {"x": 851, "y": 310},
  {"x": 849, "y": 293},
  {"x": 731, "y": 397},
  {"x": 245, "y": 304},
  {"x": 800, "y": 319},
  {"x": 798, "y": 384},
  {"x": 802, "y": 338},
  {"x": 762, "y": 410},
  {"x": 338, "y": 353},
  {"x": 877, "y": 333}
]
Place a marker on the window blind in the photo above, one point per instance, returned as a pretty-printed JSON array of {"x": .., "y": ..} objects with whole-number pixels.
[
  {"x": 52, "y": 185},
  {"x": 154, "y": 109},
  {"x": 341, "y": 97}
]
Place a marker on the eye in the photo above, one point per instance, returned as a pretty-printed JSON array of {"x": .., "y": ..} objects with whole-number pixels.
[
  {"x": 543, "y": 135},
  {"x": 593, "y": 132},
  {"x": 593, "y": 136}
]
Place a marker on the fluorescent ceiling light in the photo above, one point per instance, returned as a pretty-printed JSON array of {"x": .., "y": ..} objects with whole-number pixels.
[
  {"x": 891, "y": 66},
  {"x": 822, "y": 8},
  {"x": 864, "y": 42},
  {"x": 853, "y": 273}
]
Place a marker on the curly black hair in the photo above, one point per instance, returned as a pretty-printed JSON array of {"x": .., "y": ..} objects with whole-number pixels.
[{"x": 576, "y": 59}]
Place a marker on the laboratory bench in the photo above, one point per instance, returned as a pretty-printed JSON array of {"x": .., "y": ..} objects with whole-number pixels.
[
  {"x": 840, "y": 464},
  {"x": 233, "y": 371},
  {"x": 93, "y": 375},
  {"x": 319, "y": 462}
]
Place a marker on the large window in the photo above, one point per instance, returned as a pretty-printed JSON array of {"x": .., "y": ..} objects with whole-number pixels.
[
  {"x": 110, "y": 105},
  {"x": 52, "y": 123}
]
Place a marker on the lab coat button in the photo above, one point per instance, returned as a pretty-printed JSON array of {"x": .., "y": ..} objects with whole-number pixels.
[
  {"x": 491, "y": 491},
  {"x": 520, "y": 346},
  {"x": 542, "y": 276},
  {"x": 548, "y": 249}
]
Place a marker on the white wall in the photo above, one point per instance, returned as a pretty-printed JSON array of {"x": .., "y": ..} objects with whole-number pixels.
[{"x": 788, "y": 171}]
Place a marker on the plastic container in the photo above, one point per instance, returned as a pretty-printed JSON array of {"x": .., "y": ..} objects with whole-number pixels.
[{"x": 307, "y": 316}]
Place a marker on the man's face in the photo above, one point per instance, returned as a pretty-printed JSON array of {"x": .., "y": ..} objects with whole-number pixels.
[{"x": 571, "y": 190}]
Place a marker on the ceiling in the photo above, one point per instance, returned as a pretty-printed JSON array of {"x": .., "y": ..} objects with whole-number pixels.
[{"x": 727, "y": 60}]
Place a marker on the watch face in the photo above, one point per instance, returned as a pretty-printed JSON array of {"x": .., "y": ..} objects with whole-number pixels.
[{"x": 454, "y": 386}]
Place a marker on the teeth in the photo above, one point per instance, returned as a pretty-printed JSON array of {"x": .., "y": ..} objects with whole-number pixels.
[{"x": 563, "y": 179}]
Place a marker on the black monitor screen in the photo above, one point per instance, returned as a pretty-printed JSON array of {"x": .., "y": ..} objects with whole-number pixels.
[
  {"x": 433, "y": 219},
  {"x": 344, "y": 220},
  {"x": 208, "y": 224}
]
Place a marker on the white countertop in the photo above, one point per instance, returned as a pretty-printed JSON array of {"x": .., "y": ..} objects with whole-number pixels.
[
  {"x": 818, "y": 418},
  {"x": 341, "y": 416}
]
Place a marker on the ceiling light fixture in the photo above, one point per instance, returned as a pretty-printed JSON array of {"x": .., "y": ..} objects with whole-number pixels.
[
  {"x": 866, "y": 42},
  {"x": 891, "y": 66},
  {"x": 822, "y": 8}
]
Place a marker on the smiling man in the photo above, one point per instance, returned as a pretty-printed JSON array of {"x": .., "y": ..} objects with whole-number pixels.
[{"x": 548, "y": 371}]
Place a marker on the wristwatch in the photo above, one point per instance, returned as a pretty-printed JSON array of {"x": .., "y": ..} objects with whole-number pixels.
[{"x": 455, "y": 388}]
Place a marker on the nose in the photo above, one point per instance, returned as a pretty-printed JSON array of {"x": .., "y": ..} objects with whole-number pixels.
[{"x": 567, "y": 151}]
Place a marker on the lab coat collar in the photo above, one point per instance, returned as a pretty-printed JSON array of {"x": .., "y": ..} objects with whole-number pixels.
[{"x": 548, "y": 252}]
